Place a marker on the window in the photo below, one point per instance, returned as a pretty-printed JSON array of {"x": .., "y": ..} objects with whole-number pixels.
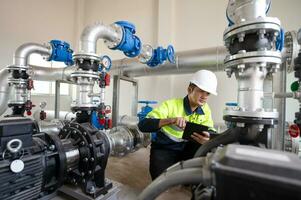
[{"x": 47, "y": 87}]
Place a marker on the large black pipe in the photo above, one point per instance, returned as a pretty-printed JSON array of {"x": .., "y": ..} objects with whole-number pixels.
[{"x": 229, "y": 136}]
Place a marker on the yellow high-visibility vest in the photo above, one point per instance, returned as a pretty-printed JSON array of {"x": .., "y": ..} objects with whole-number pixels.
[{"x": 178, "y": 108}]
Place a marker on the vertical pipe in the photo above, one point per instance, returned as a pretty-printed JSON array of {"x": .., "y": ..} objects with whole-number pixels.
[
  {"x": 135, "y": 98},
  {"x": 282, "y": 106},
  {"x": 57, "y": 100},
  {"x": 115, "y": 102}
]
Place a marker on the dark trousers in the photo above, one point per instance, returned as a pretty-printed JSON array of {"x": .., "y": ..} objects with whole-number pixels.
[{"x": 163, "y": 156}]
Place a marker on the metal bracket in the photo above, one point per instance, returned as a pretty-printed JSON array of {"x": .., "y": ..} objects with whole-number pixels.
[{"x": 116, "y": 97}]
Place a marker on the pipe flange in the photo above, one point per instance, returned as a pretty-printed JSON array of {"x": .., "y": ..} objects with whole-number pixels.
[
  {"x": 268, "y": 24},
  {"x": 291, "y": 49},
  {"x": 17, "y": 67},
  {"x": 250, "y": 120},
  {"x": 268, "y": 57},
  {"x": 83, "y": 107},
  {"x": 86, "y": 56},
  {"x": 20, "y": 102},
  {"x": 17, "y": 81},
  {"x": 84, "y": 74},
  {"x": 81, "y": 138},
  {"x": 119, "y": 30},
  {"x": 256, "y": 114}
]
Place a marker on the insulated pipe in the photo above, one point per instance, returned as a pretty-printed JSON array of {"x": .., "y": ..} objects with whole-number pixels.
[
  {"x": 285, "y": 95},
  {"x": 249, "y": 10},
  {"x": 191, "y": 163},
  {"x": 4, "y": 90},
  {"x": 90, "y": 35},
  {"x": 250, "y": 88},
  {"x": 64, "y": 115},
  {"x": 23, "y": 52},
  {"x": 52, "y": 74},
  {"x": 50, "y": 127},
  {"x": 186, "y": 62},
  {"x": 168, "y": 180},
  {"x": 128, "y": 121},
  {"x": 227, "y": 137}
]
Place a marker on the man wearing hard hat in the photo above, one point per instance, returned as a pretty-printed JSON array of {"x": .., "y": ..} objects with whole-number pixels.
[{"x": 169, "y": 121}]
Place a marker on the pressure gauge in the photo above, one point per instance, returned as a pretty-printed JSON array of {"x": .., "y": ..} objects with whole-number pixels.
[{"x": 106, "y": 62}]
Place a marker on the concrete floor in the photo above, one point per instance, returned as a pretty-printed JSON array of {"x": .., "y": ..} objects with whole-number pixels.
[{"x": 132, "y": 171}]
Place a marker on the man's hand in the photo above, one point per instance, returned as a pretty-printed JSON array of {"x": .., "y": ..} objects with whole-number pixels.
[
  {"x": 201, "y": 137},
  {"x": 180, "y": 122}
]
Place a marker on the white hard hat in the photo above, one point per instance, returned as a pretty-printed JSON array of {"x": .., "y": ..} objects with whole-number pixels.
[{"x": 205, "y": 80}]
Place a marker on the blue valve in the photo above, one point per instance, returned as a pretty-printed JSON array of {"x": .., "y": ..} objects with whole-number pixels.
[
  {"x": 280, "y": 40},
  {"x": 231, "y": 104},
  {"x": 95, "y": 122},
  {"x": 145, "y": 109},
  {"x": 61, "y": 52},
  {"x": 160, "y": 55},
  {"x": 130, "y": 43}
]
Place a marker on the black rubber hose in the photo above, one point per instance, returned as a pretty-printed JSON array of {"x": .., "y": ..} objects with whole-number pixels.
[
  {"x": 227, "y": 137},
  {"x": 168, "y": 180}
]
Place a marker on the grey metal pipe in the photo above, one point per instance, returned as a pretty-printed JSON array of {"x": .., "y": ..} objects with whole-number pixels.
[
  {"x": 246, "y": 10},
  {"x": 90, "y": 35},
  {"x": 4, "y": 90},
  {"x": 186, "y": 62},
  {"x": 285, "y": 95},
  {"x": 64, "y": 115},
  {"x": 52, "y": 74},
  {"x": 23, "y": 52},
  {"x": 128, "y": 121},
  {"x": 168, "y": 180},
  {"x": 51, "y": 127}
]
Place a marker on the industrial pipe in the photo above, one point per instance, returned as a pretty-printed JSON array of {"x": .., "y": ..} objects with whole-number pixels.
[
  {"x": 186, "y": 62},
  {"x": 50, "y": 127},
  {"x": 285, "y": 95},
  {"x": 246, "y": 10},
  {"x": 168, "y": 180},
  {"x": 90, "y": 35},
  {"x": 4, "y": 90},
  {"x": 52, "y": 74},
  {"x": 23, "y": 52},
  {"x": 64, "y": 115}
]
